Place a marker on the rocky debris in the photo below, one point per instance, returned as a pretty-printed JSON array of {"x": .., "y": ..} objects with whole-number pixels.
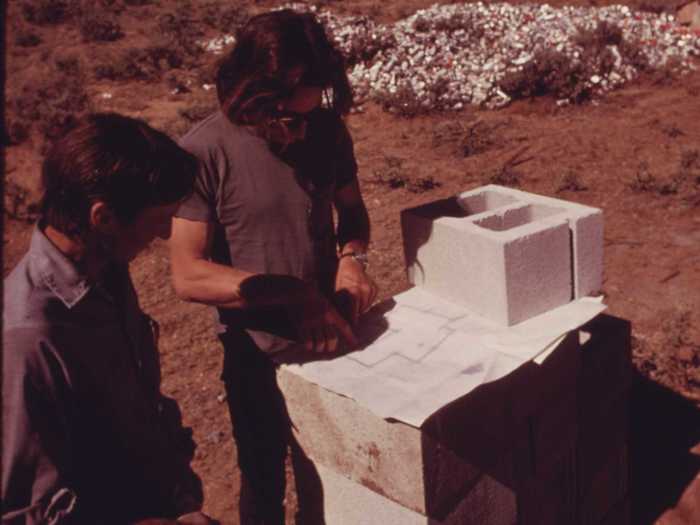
[
  {"x": 218, "y": 44},
  {"x": 448, "y": 56}
]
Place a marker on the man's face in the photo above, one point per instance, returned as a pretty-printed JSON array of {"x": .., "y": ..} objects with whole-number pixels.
[
  {"x": 131, "y": 239},
  {"x": 303, "y": 100}
]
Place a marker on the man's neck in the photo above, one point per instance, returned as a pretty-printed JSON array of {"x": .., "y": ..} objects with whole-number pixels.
[{"x": 77, "y": 251}]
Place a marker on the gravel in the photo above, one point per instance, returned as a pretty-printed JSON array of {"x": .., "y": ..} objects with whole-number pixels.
[{"x": 449, "y": 56}]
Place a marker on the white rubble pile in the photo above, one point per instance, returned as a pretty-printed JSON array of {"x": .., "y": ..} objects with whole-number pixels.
[
  {"x": 218, "y": 44},
  {"x": 448, "y": 56}
]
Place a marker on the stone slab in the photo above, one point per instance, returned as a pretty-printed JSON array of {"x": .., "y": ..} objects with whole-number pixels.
[
  {"x": 346, "y": 502},
  {"x": 505, "y": 254},
  {"x": 429, "y": 470},
  {"x": 549, "y": 498},
  {"x": 604, "y": 396},
  {"x": 620, "y": 514},
  {"x": 603, "y": 458},
  {"x": 606, "y": 365}
]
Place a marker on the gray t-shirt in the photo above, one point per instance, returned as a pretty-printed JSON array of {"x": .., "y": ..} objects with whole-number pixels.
[{"x": 272, "y": 212}]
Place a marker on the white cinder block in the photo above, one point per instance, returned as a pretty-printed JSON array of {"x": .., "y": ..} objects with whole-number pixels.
[
  {"x": 348, "y": 503},
  {"x": 587, "y": 253},
  {"x": 505, "y": 254}
]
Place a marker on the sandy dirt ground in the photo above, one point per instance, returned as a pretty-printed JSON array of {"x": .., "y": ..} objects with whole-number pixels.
[{"x": 620, "y": 153}]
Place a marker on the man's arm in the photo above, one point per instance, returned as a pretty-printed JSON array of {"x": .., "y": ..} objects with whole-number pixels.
[
  {"x": 196, "y": 278},
  {"x": 35, "y": 434},
  {"x": 353, "y": 219},
  {"x": 353, "y": 240}
]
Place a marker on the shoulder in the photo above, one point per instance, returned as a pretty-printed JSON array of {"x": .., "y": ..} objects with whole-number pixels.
[
  {"x": 219, "y": 144},
  {"x": 34, "y": 317},
  {"x": 26, "y": 298},
  {"x": 198, "y": 133},
  {"x": 26, "y": 331},
  {"x": 214, "y": 132}
]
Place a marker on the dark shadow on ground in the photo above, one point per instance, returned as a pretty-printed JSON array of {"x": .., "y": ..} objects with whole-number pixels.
[{"x": 663, "y": 428}]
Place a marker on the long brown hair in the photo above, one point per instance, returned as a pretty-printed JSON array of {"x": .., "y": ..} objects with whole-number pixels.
[{"x": 254, "y": 78}]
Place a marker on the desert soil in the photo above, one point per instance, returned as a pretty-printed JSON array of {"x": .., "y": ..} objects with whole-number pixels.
[{"x": 623, "y": 153}]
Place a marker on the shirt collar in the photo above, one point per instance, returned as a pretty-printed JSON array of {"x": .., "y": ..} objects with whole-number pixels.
[{"x": 58, "y": 272}]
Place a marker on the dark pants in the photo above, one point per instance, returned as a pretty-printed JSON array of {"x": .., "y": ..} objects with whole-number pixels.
[{"x": 262, "y": 431}]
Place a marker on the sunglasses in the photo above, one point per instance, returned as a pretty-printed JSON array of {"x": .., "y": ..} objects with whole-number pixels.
[{"x": 291, "y": 119}]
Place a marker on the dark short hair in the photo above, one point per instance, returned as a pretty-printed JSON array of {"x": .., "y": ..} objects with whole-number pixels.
[
  {"x": 252, "y": 78},
  {"x": 119, "y": 160}
]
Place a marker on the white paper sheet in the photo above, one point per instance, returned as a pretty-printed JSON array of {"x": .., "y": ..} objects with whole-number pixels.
[{"x": 426, "y": 352}]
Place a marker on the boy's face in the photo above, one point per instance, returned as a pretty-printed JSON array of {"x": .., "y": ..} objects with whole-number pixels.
[{"x": 155, "y": 221}]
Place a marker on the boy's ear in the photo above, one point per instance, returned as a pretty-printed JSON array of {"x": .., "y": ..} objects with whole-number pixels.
[{"x": 102, "y": 218}]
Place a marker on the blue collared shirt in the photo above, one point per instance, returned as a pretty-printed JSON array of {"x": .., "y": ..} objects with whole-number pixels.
[{"x": 85, "y": 439}]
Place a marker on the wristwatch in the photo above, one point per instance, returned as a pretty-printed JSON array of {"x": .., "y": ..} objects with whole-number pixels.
[{"x": 359, "y": 257}]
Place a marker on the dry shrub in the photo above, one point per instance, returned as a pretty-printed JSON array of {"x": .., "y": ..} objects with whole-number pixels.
[
  {"x": 97, "y": 26},
  {"x": 644, "y": 180},
  {"x": 68, "y": 64},
  {"x": 423, "y": 184},
  {"x": 478, "y": 139},
  {"x": 18, "y": 204},
  {"x": 507, "y": 175},
  {"x": 392, "y": 175},
  {"x": 602, "y": 35},
  {"x": 689, "y": 174},
  {"x": 660, "y": 6},
  {"x": 571, "y": 181},
  {"x": 672, "y": 131},
  {"x": 671, "y": 355},
  {"x": 15, "y": 131},
  {"x": 554, "y": 73},
  {"x": 690, "y": 162},
  {"x": 136, "y": 63},
  {"x": 448, "y": 132},
  {"x": 180, "y": 31},
  {"x": 48, "y": 104},
  {"x": 549, "y": 73},
  {"x": 226, "y": 19},
  {"x": 27, "y": 39},
  {"x": 685, "y": 181},
  {"x": 402, "y": 102},
  {"x": 48, "y": 12}
]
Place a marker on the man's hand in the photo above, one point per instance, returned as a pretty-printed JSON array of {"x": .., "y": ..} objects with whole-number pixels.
[
  {"x": 321, "y": 327},
  {"x": 352, "y": 282}
]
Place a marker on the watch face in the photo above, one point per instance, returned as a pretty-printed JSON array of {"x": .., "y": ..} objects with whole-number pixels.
[{"x": 361, "y": 258}]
